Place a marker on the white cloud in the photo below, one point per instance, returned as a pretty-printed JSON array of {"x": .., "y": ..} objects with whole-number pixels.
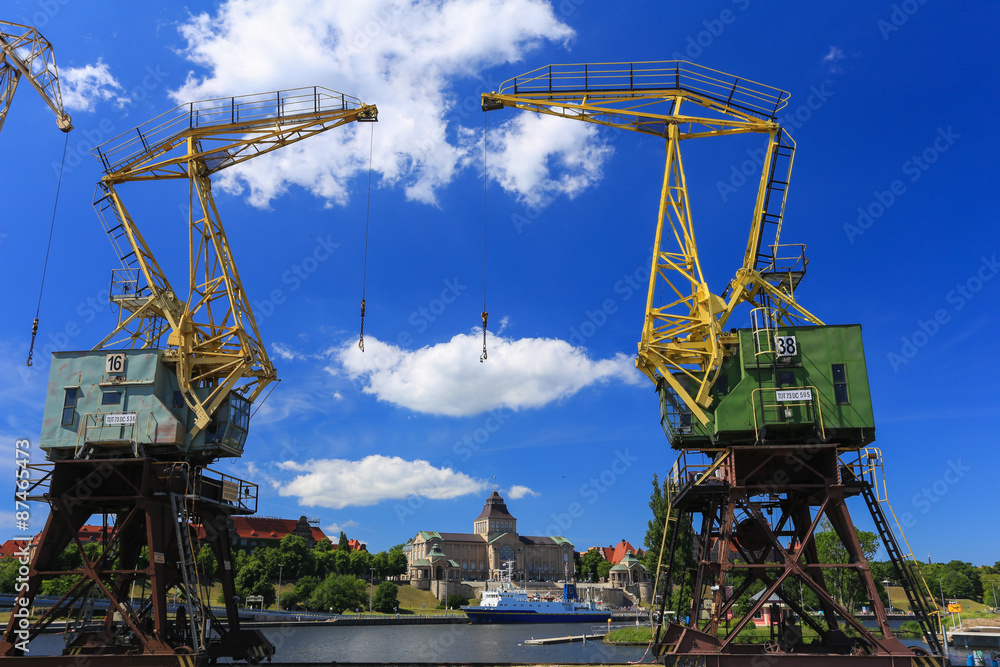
[
  {"x": 334, "y": 529},
  {"x": 832, "y": 60},
  {"x": 285, "y": 352},
  {"x": 833, "y": 55},
  {"x": 82, "y": 87},
  {"x": 283, "y": 403},
  {"x": 518, "y": 491},
  {"x": 340, "y": 483},
  {"x": 403, "y": 55},
  {"x": 525, "y": 150},
  {"x": 447, "y": 378}
]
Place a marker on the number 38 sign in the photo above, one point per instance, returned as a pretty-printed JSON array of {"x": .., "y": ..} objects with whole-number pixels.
[
  {"x": 785, "y": 346},
  {"x": 115, "y": 363}
]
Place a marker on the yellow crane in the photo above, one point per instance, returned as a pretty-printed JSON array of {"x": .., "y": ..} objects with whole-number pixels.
[
  {"x": 683, "y": 339},
  {"x": 208, "y": 331},
  {"x": 25, "y": 53},
  {"x": 776, "y": 417},
  {"x": 136, "y": 420}
]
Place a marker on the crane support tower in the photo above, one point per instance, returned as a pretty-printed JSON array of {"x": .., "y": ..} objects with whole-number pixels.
[
  {"x": 25, "y": 53},
  {"x": 130, "y": 427},
  {"x": 772, "y": 420}
]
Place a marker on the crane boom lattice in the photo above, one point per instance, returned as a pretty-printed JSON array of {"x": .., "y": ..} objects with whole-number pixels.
[
  {"x": 25, "y": 53},
  {"x": 682, "y": 344},
  {"x": 209, "y": 332}
]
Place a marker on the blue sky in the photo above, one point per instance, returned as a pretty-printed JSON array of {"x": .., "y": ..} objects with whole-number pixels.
[{"x": 890, "y": 192}]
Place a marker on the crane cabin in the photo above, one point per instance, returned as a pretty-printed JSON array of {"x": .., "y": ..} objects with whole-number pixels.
[
  {"x": 128, "y": 403},
  {"x": 780, "y": 385}
]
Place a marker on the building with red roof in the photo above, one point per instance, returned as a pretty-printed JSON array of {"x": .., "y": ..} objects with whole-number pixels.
[
  {"x": 12, "y": 548},
  {"x": 248, "y": 532},
  {"x": 615, "y": 554},
  {"x": 266, "y": 531}
]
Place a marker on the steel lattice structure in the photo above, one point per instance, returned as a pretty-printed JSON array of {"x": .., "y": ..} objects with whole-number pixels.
[
  {"x": 210, "y": 332},
  {"x": 677, "y": 101},
  {"x": 25, "y": 53},
  {"x": 772, "y": 408}
]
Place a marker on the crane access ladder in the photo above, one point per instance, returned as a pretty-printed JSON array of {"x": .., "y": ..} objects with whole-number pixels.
[{"x": 865, "y": 475}]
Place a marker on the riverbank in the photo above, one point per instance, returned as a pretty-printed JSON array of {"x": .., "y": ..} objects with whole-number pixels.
[{"x": 633, "y": 636}]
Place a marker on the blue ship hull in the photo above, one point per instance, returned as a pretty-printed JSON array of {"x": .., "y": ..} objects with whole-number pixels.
[{"x": 527, "y": 616}]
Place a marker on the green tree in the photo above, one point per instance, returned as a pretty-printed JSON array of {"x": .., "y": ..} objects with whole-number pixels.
[
  {"x": 69, "y": 559},
  {"x": 265, "y": 589},
  {"x": 380, "y": 562},
  {"x": 454, "y": 601},
  {"x": 325, "y": 563},
  {"x": 397, "y": 562},
  {"x": 654, "y": 527},
  {"x": 341, "y": 562},
  {"x": 58, "y": 586},
  {"x": 252, "y": 579},
  {"x": 270, "y": 558},
  {"x": 8, "y": 574},
  {"x": 655, "y": 538},
  {"x": 361, "y": 562},
  {"x": 295, "y": 557},
  {"x": 301, "y": 593},
  {"x": 991, "y": 588},
  {"x": 589, "y": 564},
  {"x": 207, "y": 564},
  {"x": 844, "y": 583},
  {"x": 385, "y": 600},
  {"x": 339, "y": 592},
  {"x": 343, "y": 544},
  {"x": 603, "y": 569},
  {"x": 324, "y": 545}
]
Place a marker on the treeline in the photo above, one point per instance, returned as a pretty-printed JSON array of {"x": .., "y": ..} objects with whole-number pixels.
[
  {"x": 955, "y": 580},
  {"x": 326, "y": 576}
]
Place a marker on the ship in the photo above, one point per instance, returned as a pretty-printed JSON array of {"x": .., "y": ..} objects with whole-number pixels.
[{"x": 508, "y": 604}]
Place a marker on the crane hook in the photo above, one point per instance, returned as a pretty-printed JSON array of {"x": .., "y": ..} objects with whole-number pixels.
[
  {"x": 482, "y": 357},
  {"x": 361, "y": 340},
  {"x": 34, "y": 332}
]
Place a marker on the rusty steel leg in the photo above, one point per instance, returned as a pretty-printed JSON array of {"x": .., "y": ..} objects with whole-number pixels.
[
  {"x": 219, "y": 540},
  {"x": 136, "y": 500},
  {"x": 772, "y": 525}
]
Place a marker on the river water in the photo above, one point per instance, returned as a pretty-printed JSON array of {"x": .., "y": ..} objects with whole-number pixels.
[
  {"x": 440, "y": 643},
  {"x": 443, "y": 643}
]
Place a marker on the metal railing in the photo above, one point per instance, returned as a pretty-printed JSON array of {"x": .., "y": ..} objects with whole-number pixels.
[
  {"x": 763, "y": 324},
  {"x": 220, "y": 487},
  {"x": 247, "y": 111},
  {"x": 128, "y": 284},
  {"x": 753, "y": 98},
  {"x": 95, "y": 430},
  {"x": 787, "y": 258},
  {"x": 694, "y": 469},
  {"x": 811, "y": 406}
]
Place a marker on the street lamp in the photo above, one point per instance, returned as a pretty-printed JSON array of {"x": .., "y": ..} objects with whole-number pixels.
[
  {"x": 277, "y": 603},
  {"x": 944, "y": 605}
]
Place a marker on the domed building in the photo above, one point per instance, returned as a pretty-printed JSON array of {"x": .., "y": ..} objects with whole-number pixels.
[
  {"x": 434, "y": 556},
  {"x": 631, "y": 575}
]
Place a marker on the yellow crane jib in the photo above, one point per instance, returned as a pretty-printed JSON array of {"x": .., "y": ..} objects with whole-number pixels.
[
  {"x": 25, "y": 53},
  {"x": 199, "y": 346},
  {"x": 683, "y": 341}
]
